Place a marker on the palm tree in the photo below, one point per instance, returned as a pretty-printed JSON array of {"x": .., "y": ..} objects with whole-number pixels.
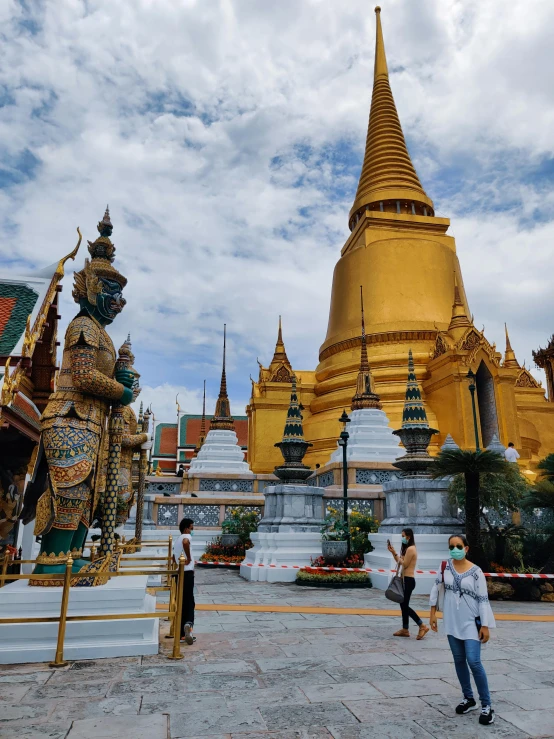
[
  {"x": 546, "y": 467},
  {"x": 541, "y": 495},
  {"x": 471, "y": 465}
]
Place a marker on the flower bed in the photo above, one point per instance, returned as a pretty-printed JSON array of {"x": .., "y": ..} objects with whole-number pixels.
[
  {"x": 217, "y": 552},
  {"x": 332, "y": 578}
]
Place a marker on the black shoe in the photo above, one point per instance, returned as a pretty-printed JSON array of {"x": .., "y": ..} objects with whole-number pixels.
[
  {"x": 467, "y": 705},
  {"x": 487, "y": 716}
]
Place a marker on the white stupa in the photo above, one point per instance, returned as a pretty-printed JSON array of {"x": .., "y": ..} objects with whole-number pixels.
[
  {"x": 370, "y": 436},
  {"x": 219, "y": 451}
]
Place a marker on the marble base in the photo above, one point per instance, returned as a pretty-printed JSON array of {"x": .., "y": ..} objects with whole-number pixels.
[
  {"x": 370, "y": 438},
  {"x": 220, "y": 453},
  {"x": 36, "y": 642},
  {"x": 432, "y": 549},
  {"x": 275, "y": 549},
  {"x": 421, "y": 504}
]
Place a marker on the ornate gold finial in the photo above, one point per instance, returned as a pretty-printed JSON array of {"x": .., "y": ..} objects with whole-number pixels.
[
  {"x": 365, "y": 396},
  {"x": 510, "y": 360},
  {"x": 388, "y": 180},
  {"x": 222, "y": 418},
  {"x": 280, "y": 368},
  {"x": 459, "y": 316}
]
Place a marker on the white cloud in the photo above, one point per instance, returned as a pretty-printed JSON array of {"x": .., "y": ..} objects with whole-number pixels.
[{"x": 225, "y": 133}]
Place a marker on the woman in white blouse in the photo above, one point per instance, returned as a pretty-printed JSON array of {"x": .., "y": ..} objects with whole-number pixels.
[{"x": 467, "y": 618}]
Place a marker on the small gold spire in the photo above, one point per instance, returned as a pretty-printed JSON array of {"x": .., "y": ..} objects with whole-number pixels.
[
  {"x": 280, "y": 368},
  {"x": 510, "y": 360},
  {"x": 365, "y": 396},
  {"x": 380, "y": 68},
  {"x": 459, "y": 316}
]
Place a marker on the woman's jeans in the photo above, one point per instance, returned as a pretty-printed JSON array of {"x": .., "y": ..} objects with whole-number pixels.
[
  {"x": 407, "y": 612},
  {"x": 466, "y": 653}
]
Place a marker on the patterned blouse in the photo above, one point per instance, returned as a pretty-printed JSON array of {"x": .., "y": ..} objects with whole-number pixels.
[{"x": 465, "y": 599}]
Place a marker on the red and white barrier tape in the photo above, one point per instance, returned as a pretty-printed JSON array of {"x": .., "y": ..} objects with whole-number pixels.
[{"x": 527, "y": 576}]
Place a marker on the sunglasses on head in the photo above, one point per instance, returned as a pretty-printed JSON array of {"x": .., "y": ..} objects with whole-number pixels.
[{"x": 457, "y": 546}]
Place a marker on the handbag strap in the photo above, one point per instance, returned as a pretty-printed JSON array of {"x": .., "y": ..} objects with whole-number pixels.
[{"x": 443, "y": 568}]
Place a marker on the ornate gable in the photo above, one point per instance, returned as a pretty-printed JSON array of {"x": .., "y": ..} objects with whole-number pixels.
[
  {"x": 526, "y": 379},
  {"x": 472, "y": 341}
]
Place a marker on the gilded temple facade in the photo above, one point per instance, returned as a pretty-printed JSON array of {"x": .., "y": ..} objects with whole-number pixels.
[{"x": 403, "y": 257}]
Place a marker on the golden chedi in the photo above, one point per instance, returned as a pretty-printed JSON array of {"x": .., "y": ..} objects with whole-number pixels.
[{"x": 401, "y": 254}]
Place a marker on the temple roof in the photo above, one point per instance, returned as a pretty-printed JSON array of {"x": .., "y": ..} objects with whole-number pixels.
[{"x": 387, "y": 171}]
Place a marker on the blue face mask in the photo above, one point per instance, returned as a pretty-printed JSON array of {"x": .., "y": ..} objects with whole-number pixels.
[
  {"x": 457, "y": 553},
  {"x": 404, "y": 540},
  {"x": 191, "y": 533}
]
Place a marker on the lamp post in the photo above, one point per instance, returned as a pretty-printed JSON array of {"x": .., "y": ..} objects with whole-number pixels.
[
  {"x": 471, "y": 377},
  {"x": 343, "y": 442}
]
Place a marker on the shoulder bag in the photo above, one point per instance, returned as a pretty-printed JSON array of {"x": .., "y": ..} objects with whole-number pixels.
[{"x": 395, "y": 590}]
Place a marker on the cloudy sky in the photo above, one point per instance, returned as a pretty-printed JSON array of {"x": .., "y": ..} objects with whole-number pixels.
[{"x": 227, "y": 137}]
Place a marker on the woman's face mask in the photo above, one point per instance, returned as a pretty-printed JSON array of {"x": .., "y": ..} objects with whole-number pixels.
[
  {"x": 456, "y": 553},
  {"x": 404, "y": 540}
]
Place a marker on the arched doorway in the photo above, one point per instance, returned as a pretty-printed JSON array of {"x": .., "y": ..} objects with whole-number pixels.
[{"x": 486, "y": 401}]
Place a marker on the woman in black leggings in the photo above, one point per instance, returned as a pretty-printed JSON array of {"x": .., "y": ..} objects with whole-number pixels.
[{"x": 408, "y": 560}]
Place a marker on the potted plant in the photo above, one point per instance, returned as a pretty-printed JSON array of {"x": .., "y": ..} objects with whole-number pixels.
[
  {"x": 238, "y": 527},
  {"x": 334, "y": 545}
]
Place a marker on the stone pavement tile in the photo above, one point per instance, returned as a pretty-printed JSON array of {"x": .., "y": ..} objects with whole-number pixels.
[
  {"x": 83, "y": 689},
  {"x": 496, "y": 682},
  {"x": 296, "y": 663},
  {"x": 317, "y": 714},
  {"x": 468, "y": 727},
  {"x": 423, "y": 686},
  {"x": 296, "y": 677},
  {"x": 161, "y": 685},
  {"x": 431, "y": 656},
  {"x": 25, "y": 677},
  {"x": 287, "y": 638},
  {"x": 35, "y": 731},
  {"x": 177, "y": 670},
  {"x": 289, "y": 695},
  {"x": 78, "y": 709},
  {"x": 440, "y": 670},
  {"x": 537, "y": 679},
  {"x": 313, "y": 650},
  {"x": 13, "y": 693},
  {"x": 200, "y": 628},
  {"x": 101, "y": 673},
  {"x": 200, "y": 683},
  {"x": 367, "y": 659},
  {"x": 26, "y": 667},
  {"x": 252, "y": 652},
  {"x": 248, "y": 630},
  {"x": 206, "y": 701},
  {"x": 216, "y": 721},
  {"x": 342, "y": 691},
  {"x": 543, "y": 664},
  {"x": 315, "y": 622},
  {"x": 315, "y": 732},
  {"x": 387, "y": 710},
  {"x": 538, "y": 698},
  {"x": 536, "y": 723},
  {"x": 18, "y": 711},
  {"x": 116, "y": 727},
  {"x": 393, "y": 730},
  {"x": 226, "y": 666},
  {"x": 364, "y": 674},
  {"x": 370, "y": 645},
  {"x": 258, "y": 617}
]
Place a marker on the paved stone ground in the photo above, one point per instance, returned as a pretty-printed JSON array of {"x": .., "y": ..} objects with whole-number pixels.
[{"x": 288, "y": 676}]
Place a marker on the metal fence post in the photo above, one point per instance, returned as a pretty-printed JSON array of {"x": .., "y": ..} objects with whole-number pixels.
[
  {"x": 59, "y": 660},
  {"x": 176, "y": 654}
]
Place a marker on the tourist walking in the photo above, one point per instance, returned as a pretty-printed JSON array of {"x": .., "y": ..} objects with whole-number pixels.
[
  {"x": 511, "y": 454},
  {"x": 408, "y": 560},
  {"x": 182, "y": 546},
  {"x": 460, "y": 591}
]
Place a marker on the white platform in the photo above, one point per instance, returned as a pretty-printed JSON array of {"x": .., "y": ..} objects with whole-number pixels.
[
  {"x": 274, "y": 549},
  {"x": 432, "y": 549},
  {"x": 36, "y": 642},
  {"x": 370, "y": 438},
  {"x": 220, "y": 453}
]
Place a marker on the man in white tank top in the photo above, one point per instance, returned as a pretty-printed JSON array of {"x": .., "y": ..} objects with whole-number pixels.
[{"x": 182, "y": 546}]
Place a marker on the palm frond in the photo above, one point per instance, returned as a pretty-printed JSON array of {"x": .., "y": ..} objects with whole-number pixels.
[
  {"x": 540, "y": 496},
  {"x": 465, "y": 461},
  {"x": 546, "y": 466}
]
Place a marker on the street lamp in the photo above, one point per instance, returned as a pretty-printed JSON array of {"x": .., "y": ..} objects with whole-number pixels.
[
  {"x": 343, "y": 442},
  {"x": 471, "y": 377}
]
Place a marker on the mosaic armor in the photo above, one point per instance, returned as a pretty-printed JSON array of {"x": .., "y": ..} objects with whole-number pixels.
[{"x": 130, "y": 443}]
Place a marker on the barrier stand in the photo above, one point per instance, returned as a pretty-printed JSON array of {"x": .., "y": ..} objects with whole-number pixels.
[
  {"x": 58, "y": 659},
  {"x": 169, "y": 556},
  {"x": 5, "y": 565},
  {"x": 92, "y": 552},
  {"x": 176, "y": 654}
]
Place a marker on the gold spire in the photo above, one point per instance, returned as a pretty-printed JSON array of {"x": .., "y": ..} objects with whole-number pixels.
[
  {"x": 202, "y": 435},
  {"x": 509, "y": 357},
  {"x": 222, "y": 418},
  {"x": 365, "y": 396},
  {"x": 387, "y": 172},
  {"x": 459, "y": 316},
  {"x": 280, "y": 368}
]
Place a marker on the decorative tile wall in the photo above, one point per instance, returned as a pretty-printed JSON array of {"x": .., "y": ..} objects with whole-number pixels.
[
  {"x": 168, "y": 514},
  {"x": 227, "y": 486},
  {"x": 376, "y": 477},
  {"x": 363, "y": 506},
  {"x": 202, "y": 515}
]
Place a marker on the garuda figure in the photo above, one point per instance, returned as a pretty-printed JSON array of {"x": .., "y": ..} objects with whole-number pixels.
[{"x": 63, "y": 492}]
